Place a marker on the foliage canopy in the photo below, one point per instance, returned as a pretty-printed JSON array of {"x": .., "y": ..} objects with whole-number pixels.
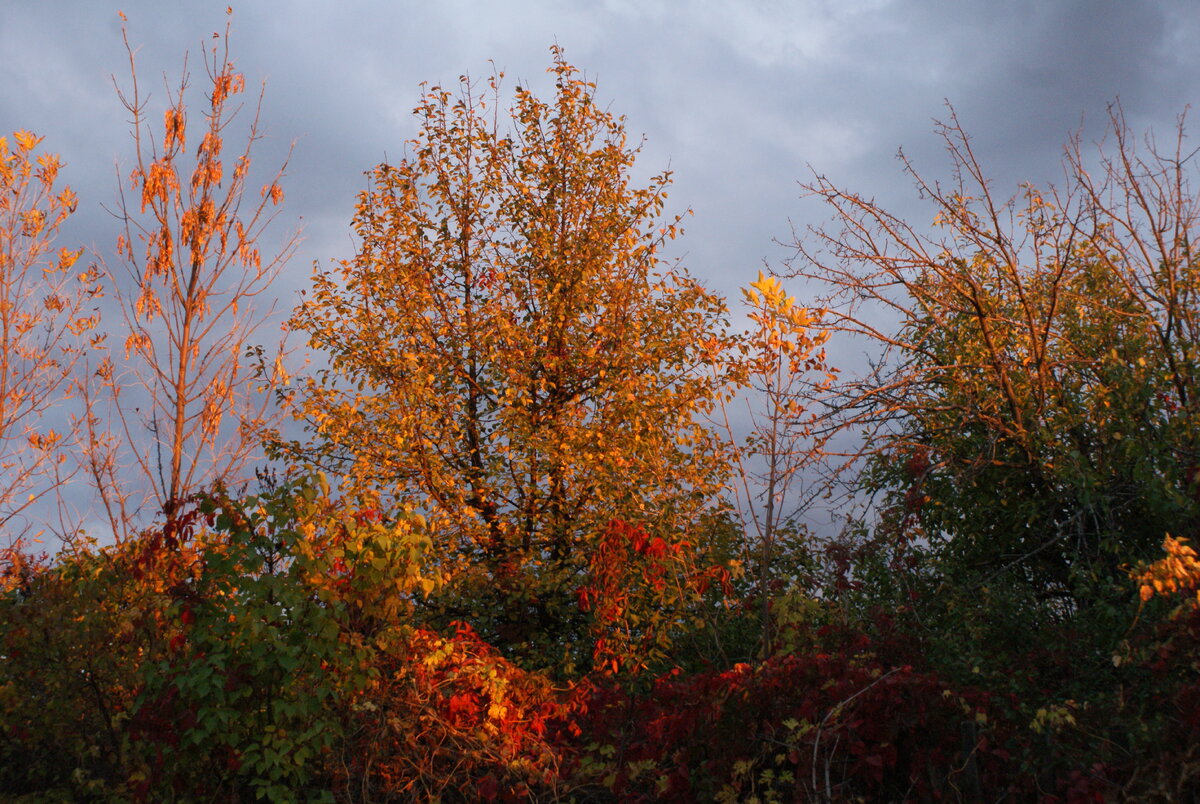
[{"x": 508, "y": 351}]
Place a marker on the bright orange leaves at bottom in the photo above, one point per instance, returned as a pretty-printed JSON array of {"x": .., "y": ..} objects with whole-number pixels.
[{"x": 1179, "y": 571}]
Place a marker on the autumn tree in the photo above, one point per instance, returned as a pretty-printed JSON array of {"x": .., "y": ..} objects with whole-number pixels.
[
  {"x": 180, "y": 406},
  {"x": 1030, "y": 420},
  {"x": 509, "y": 354},
  {"x": 47, "y": 321},
  {"x": 781, "y": 362}
]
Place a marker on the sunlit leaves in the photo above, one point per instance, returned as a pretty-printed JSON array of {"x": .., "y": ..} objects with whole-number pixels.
[
  {"x": 507, "y": 351},
  {"x": 448, "y": 716},
  {"x": 1178, "y": 571},
  {"x": 47, "y": 321},
  {"x": 638, "y": 591},
  {"x": 193, "y": 268}
]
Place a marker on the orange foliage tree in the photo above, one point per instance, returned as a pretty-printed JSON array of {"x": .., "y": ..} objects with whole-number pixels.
[
  {"x": 783, "y": 363},
  {"x": 509, "y": 353},
  {"x": 188, "y": 405},
  {"x": 47, "y": 317}
]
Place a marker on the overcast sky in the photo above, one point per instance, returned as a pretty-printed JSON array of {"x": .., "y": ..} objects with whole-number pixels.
[{"x": 741, "y": 99}]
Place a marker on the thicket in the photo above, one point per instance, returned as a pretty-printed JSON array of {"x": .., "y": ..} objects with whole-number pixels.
[{"x": 510, "y": 549}]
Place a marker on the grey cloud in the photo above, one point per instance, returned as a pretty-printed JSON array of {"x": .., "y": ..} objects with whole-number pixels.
[{"x": 739, "y": 98}]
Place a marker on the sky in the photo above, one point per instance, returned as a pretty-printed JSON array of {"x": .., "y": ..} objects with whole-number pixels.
[{"x": 743, "y": 101}]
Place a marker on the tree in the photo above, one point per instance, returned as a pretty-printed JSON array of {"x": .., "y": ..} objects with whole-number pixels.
[
  {"x": 781, "y": 353},
  {"x": 509, "y": 354},
  {"x": 1046, "y": 341},
  {"x": 1030, "y": 424},
  {"x": 193, "y": 271},
  {"x": 47, "y": 321}
]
